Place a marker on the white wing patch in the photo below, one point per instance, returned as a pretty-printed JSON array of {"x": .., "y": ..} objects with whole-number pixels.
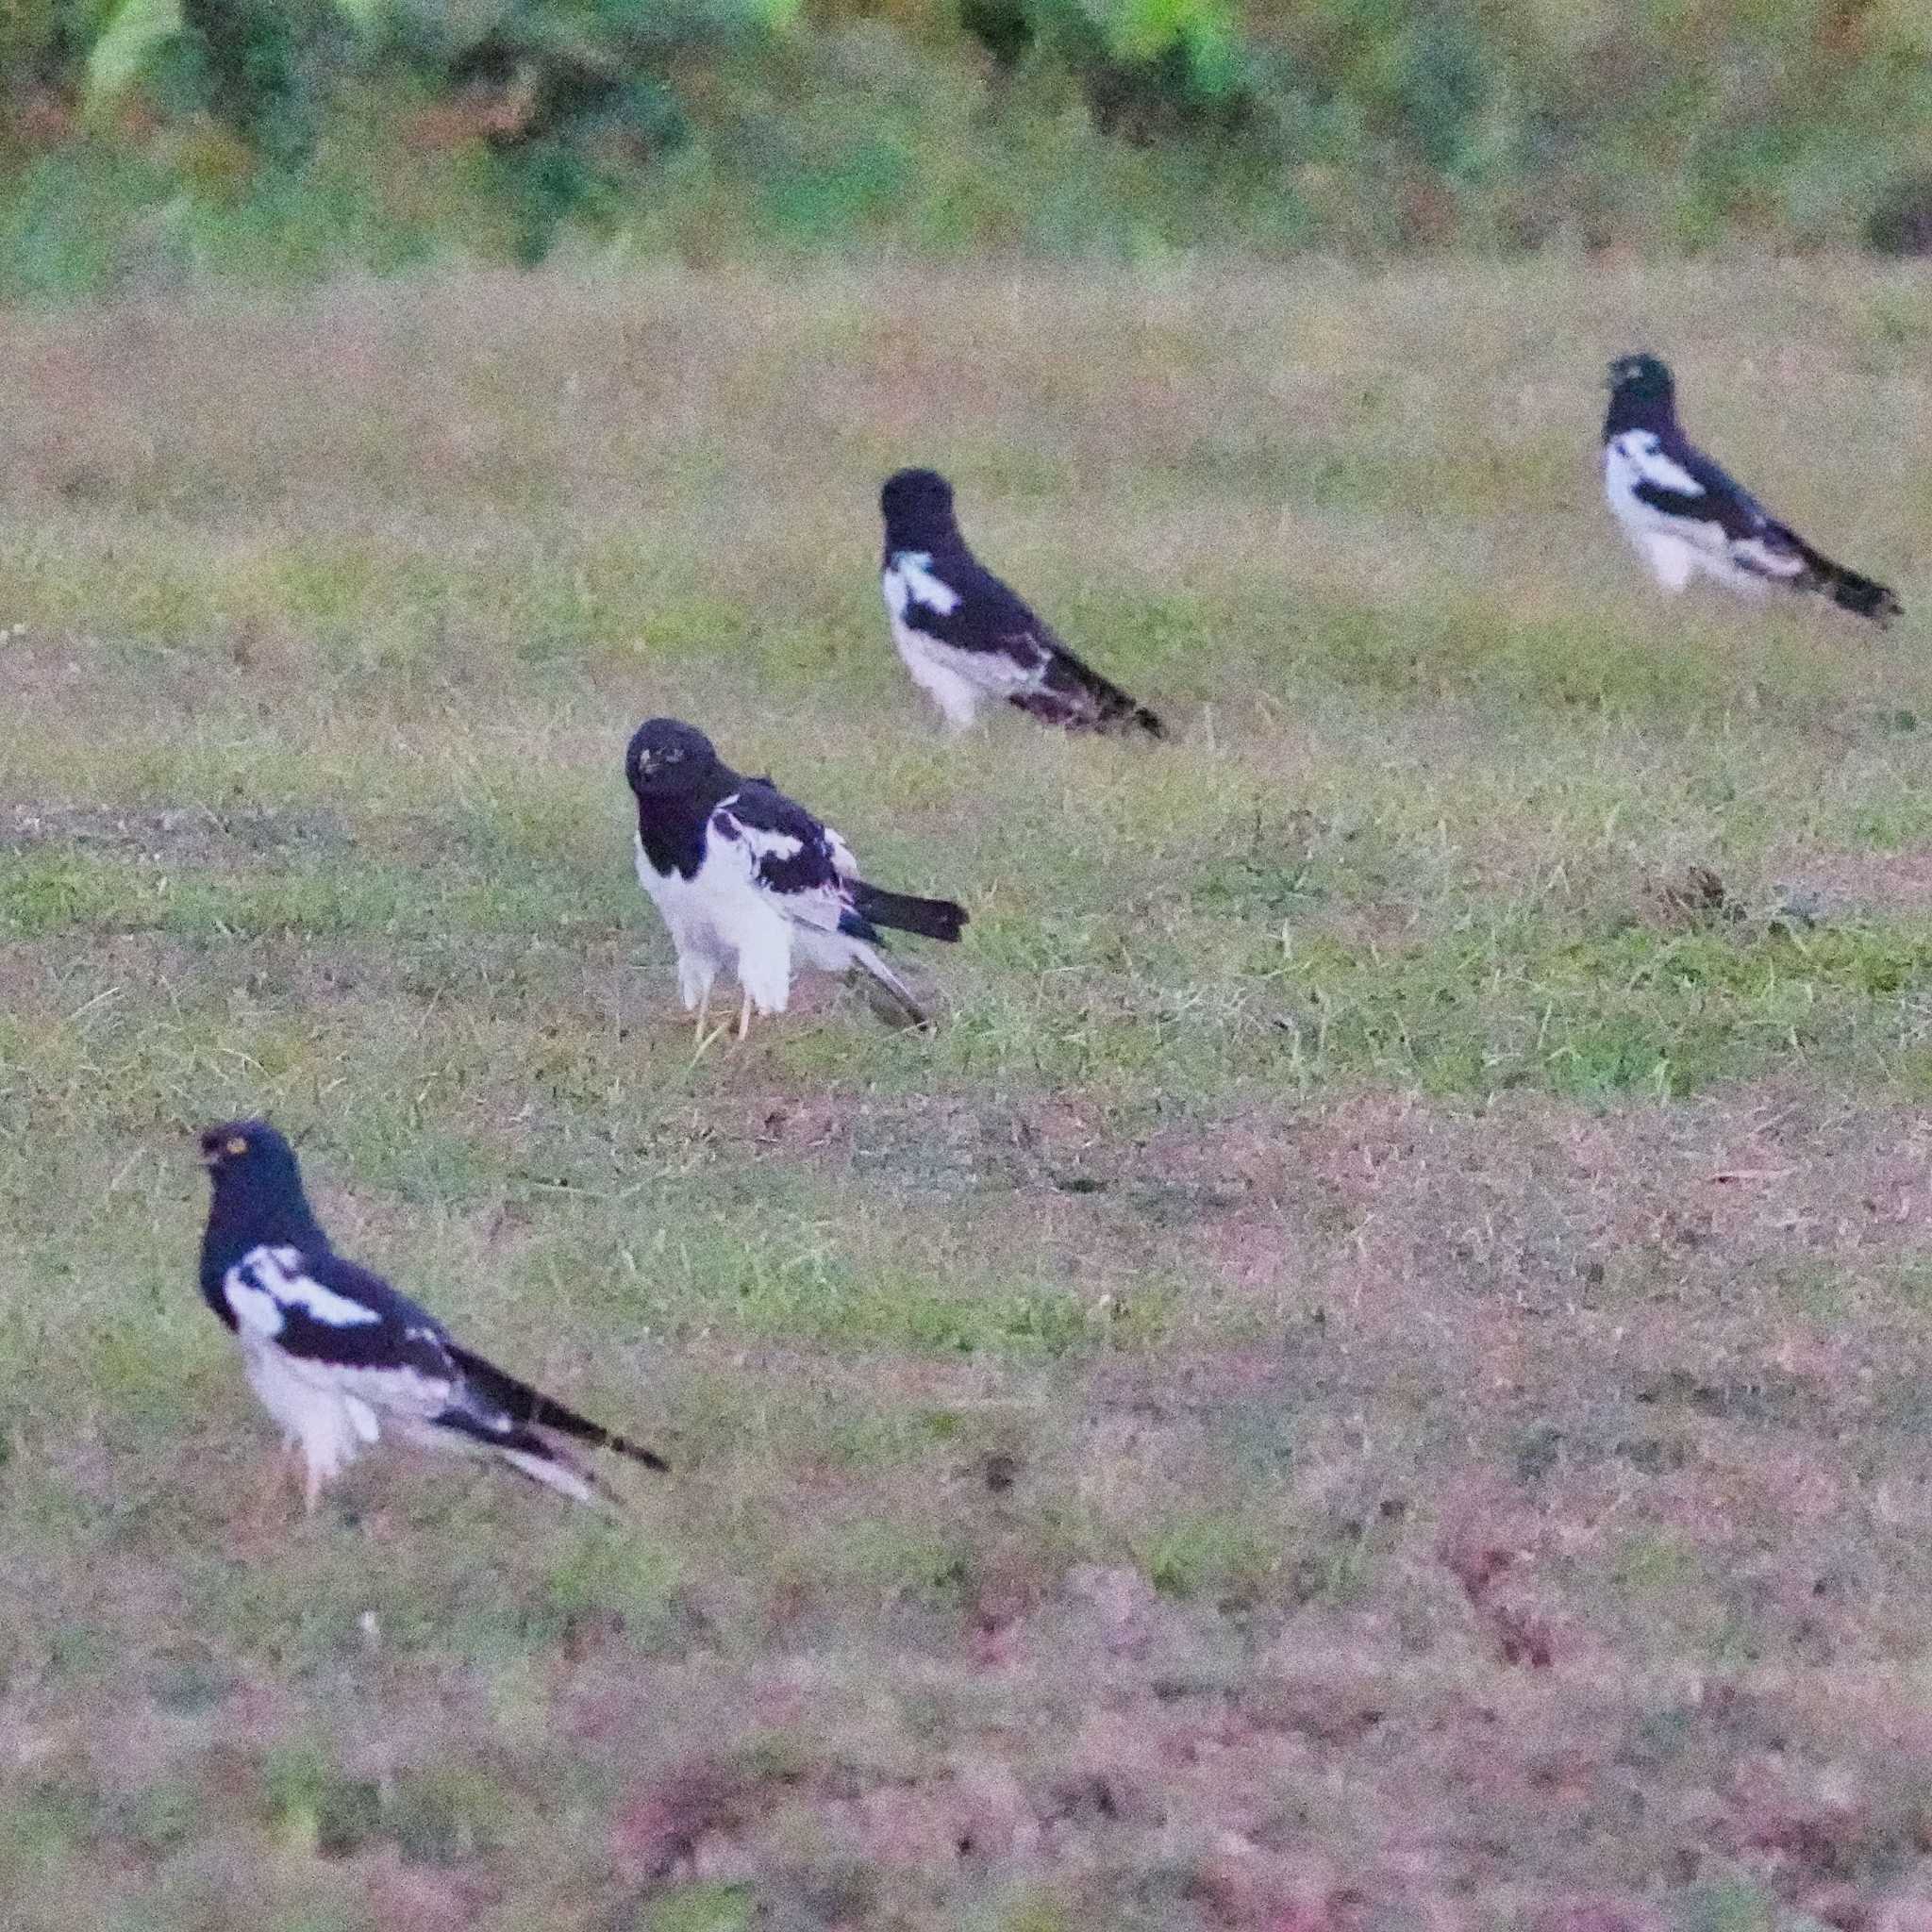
[
  {"x": 266, "y": 1280},
  {"x": 842, "y": 861},
  {"x": 909, "y": 580},
  {"x": 763, "y": 844},
  {"x": 1638, "y": 449},
  {"x": 820, "y": 906}
]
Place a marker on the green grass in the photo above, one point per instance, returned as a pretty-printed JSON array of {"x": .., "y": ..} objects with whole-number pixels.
[{"x": 1372, "y": 1364}]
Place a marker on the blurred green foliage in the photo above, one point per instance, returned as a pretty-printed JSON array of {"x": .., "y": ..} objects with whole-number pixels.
[{"x": 287, "y": 136}]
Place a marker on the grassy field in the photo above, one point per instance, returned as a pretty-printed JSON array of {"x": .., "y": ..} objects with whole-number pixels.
[{"x": 1374, "y": 1374}]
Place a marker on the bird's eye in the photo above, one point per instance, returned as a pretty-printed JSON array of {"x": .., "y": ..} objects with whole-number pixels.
[{"x": 237, "y": 1144}]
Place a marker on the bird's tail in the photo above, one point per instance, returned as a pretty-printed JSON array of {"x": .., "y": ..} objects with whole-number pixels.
[
  {"x": 899, "y": 996},
  {"x": 933, "y": 919},
  {"x": 520, "y": 1444},
  {"x": 556, "y": 1471},
  {"x": 532, "y": 1408},
  {"x": 1077, "y": 696},
  {"x": 1863, "y": 596}
]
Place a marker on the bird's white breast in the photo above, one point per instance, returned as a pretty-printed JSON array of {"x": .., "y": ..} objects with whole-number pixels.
[
  {"x": 309, "y": 1406},
  {"x": 714, "y": 903}
]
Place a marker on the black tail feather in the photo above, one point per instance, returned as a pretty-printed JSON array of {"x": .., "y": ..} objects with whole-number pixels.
[
  {"x": 530, "y": 1406},
  {"x": 932, "y": 919},
  {"x": 1863, "y": 596},
  {"x": 1079, "y": 698}
]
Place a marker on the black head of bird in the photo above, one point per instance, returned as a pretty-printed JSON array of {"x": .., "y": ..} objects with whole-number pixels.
[
  {"x": 257, "y": 1184},
  {"x": 666, "y": 757},
  {"x": 1643, "y": 380},
  {"x": 915, "y": 502}
]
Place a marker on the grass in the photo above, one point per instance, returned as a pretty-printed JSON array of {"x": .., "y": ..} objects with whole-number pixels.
[{"x": 1371, "y": 1372}]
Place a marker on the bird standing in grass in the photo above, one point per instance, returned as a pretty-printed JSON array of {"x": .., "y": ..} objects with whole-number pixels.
[
  {"x": 1684, "y": 514},
  {"x": 334, "y": 1351},
  {"x": 745, "y": 877},
  {"x": 965, "y": 636}
]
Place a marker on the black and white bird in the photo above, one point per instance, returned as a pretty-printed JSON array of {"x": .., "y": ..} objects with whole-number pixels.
[
  {"x": 334, "y": 1352},
  {"x": 1684, "y": 514},
  {"x": 965, "y": 636},
  {"x": 747, "y": 879}
]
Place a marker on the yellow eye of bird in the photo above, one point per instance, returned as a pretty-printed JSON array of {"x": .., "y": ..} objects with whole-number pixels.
[{"x": 237, "y": 1145}]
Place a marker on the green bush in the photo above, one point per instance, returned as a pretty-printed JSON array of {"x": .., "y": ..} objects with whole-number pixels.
[{"x": 375, "y": 133}]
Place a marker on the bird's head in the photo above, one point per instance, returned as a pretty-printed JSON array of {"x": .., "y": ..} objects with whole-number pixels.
[
  {"x": 1642, "y": 379},
  {"x": 250, "y": 1148},
  {"x": 666, "y": 755},
  {"x": 256, "y": 1179},
  {"x": 914, "y": 500}
]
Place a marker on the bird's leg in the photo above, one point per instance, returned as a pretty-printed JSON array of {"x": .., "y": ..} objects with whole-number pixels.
[
  {"x": 311, "y": 1489},
  {"x": 705, "y": 1041},
  {"x": 744, "y": 1014}
]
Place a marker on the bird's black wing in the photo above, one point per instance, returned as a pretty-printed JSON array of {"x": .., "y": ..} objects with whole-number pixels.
[
  {"x": 1010, "y": 649},
  {"x": 349, "y": 1326},
  {"x": 794, "y": 859},
  {"x": 316, "y": 1306},
  {"x": 953, "y": 599},
  {"x": 1677, "y": 479}
]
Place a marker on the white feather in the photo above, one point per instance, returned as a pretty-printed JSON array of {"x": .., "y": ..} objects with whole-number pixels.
[
  {"x": 266, "y": 1280},
  {"x": 722, "y": 917},
  {"x": 761, "y": 843},
  {"x": 551, "y": 1471},
  {"x": 1672, "y": 561},
  {"x": 1758, "y": 557},
  {"x": 909, "y": 580},
  {"x": 1640, "y": 456},
  {"x": 326, "y": 1422}
]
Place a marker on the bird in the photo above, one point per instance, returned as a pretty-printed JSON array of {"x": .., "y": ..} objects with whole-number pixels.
[
  {"x": 334, "y": 1351},
  {"x": 746, "y": 877},
  {"x": 965, "y": 636},
  {"x": 1684, "y": 514}
]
